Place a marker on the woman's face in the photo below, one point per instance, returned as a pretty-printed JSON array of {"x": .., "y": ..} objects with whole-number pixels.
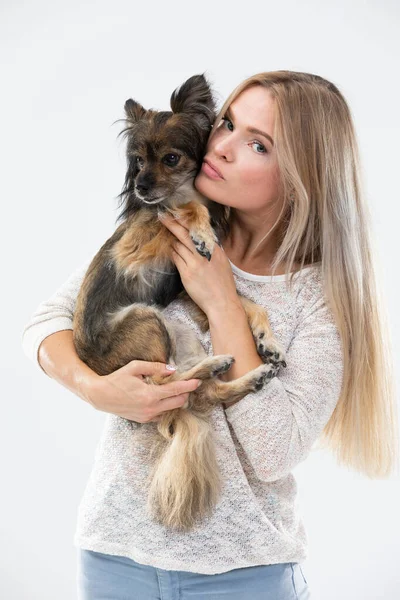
[{"x": 245, "y": 159}]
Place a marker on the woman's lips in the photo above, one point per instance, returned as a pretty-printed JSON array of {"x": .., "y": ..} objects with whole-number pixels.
[{"x": 209, "y": 171}]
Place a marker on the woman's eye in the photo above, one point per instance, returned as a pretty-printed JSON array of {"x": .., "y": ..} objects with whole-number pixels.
[
  {"x": 171, "y": 159},
  {"x": 260, "y": 146},
  {"x": 226, "y": 120}
]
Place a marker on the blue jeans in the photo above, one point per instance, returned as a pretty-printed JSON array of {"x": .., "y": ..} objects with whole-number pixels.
[{"x": 109, "y": 577}]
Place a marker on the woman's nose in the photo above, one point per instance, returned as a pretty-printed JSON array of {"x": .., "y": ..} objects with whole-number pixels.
[{"x": 223, "y": 149}]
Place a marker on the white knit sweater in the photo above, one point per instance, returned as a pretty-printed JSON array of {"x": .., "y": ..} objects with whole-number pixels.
[{"x": 259, "y": 440}]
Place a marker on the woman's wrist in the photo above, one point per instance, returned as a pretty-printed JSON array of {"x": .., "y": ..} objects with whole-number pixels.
[
  {"x": 87, "y": 385},
  {"x": 231, "y": 334},
  {"x": 226, "y": 308}
]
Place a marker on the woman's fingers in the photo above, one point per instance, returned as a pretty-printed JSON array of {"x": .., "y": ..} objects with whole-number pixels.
[
  {"x": 167, "y": 396},
  {"x": 179, "y": 231},
  {"x": 169, "y": 404},
  {"x": 163, "y": 397},
  {"x": 166, "y": 390},
  {"x": 143, "y": 367}
]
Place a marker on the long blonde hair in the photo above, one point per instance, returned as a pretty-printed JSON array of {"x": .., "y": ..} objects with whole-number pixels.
[{"x": 324, "y": 217}]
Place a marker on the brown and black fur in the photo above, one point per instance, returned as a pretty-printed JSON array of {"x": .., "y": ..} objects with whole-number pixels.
[{"x": 118, "y": 315}]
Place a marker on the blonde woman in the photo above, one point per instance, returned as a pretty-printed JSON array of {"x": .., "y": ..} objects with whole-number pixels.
[{"x": 283, "y": 156}]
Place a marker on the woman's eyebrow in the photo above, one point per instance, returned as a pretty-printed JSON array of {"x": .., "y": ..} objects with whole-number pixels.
[{"x": 229, "y": 114}]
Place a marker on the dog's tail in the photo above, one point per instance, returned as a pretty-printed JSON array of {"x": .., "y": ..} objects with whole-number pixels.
[{"x": 185, "y": 481}]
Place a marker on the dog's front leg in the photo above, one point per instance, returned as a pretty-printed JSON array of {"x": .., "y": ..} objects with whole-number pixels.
[
  {"x": 202, "y": 234},
  {"x": 268, "y": 347}
]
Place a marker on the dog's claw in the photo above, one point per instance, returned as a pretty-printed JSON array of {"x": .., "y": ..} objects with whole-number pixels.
[
  {"x": 268, "y": 372},
  {"x": 201, "y": 248},
  {"x": 275, "y": 355}
]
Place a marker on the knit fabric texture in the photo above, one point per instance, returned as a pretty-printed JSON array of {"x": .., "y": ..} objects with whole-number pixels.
[{"x": 259, "y": 441}]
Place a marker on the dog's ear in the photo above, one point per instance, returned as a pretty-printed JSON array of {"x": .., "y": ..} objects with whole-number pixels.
[
  {"x": 134, "y": 111},
  {"x": 195, "y": 97}
]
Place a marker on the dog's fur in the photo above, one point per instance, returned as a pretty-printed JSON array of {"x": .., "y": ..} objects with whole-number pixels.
[{"x": 118, "y": 316}]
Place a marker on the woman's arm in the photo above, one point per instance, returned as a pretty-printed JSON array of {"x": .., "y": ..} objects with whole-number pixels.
[
  {"x": 53, "y": 315},
  {"x": 48, "y": 342},
  {"x": 231, "y": 334},
  {"x": 278, "y": 425},
  {"x": 122, "y": 392},
  {"x": 59, "y": 360}
]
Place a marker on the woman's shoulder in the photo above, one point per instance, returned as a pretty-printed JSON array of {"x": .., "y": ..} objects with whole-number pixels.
[{"x": 310, "y": 285}]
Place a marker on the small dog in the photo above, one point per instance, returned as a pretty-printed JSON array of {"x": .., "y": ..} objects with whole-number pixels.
[{"x": 118, "y": 316}]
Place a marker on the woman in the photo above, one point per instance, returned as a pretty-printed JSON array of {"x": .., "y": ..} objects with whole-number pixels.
[{"x": 283, "y": 155}]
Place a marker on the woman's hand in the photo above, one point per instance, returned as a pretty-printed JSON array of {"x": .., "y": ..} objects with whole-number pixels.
[
  {"x": 210, "y": 284},
  {"x": 125, "y": 394}
]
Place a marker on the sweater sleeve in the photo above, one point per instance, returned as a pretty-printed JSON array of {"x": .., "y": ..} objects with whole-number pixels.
[
  {"x": 278, "y": 425},
  {"x": 54, "y": 314}
]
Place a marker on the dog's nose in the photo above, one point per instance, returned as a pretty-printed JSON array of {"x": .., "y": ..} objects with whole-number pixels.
[{"x": 143, "y": 187}]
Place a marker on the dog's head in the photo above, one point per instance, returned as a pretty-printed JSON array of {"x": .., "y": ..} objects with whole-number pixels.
[{"x": 165, "y": 148}]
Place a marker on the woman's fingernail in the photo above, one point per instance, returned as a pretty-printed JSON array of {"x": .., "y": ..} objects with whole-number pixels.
[
  {"x": 199, "y": 383},
  {"x": 170, "y": 367}
]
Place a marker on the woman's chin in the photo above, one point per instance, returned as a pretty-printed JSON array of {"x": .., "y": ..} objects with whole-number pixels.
[
  {"x": 199, "y": 183},
  {"x": 204, "y": 186}
]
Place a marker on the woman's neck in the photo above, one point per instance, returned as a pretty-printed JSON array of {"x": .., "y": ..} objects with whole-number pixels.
[{"x": 241, "y": 248}]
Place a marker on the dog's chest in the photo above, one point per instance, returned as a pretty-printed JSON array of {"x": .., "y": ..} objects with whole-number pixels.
[{"x": 158, "y": 284}]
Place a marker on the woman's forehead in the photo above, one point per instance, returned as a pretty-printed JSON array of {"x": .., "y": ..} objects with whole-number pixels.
[{"x": 254, "y": 108}]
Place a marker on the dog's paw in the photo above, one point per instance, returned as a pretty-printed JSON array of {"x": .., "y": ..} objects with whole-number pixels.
[
  {"x": 204, "y": 242},
  {"x": 269, "y": 349},
  {"x": 202, "y": 248},
  {"x": 263, "y": 374},
  {"x": 221, "y": 365}
]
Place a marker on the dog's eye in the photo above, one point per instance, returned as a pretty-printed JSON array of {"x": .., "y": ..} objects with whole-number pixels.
[
  {"x": 171, "y": 159},
  {"x": 139, "y": 161}
]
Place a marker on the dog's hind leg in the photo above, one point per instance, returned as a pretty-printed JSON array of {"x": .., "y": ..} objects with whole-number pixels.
[
  {"x": 134, "y": 332},
  {"x": 213, "y": 391},
  {"x": 267, "y": 345}
]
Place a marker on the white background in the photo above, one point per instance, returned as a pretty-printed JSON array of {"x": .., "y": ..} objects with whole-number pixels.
[{"x": 66, "y": 70}]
